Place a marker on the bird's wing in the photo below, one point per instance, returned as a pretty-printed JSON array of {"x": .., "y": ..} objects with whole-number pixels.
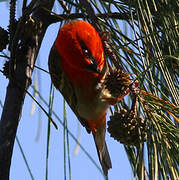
[{"x": 63, "y": 84}]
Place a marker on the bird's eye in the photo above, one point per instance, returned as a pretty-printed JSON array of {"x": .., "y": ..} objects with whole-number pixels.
[{"x": 85, "y": 50}]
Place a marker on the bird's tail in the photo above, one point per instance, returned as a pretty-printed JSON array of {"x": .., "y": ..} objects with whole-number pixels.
[{"x": 103, "y": 154}]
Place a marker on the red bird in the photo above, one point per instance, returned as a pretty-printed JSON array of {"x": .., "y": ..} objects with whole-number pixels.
[{"x": 78, "y": 69}]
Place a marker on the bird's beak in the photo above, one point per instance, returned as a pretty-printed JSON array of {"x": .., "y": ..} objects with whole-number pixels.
[{"x": 93, "y": 68}]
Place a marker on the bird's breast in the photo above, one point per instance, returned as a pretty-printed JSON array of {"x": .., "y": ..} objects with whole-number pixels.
[{"x": 91, "y": 102}]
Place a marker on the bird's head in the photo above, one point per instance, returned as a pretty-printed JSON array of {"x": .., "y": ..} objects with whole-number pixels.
[{"x": 80, "y": 48}]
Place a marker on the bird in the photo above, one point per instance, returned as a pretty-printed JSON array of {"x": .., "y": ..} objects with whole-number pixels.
[{"x": 78, "y": 69}]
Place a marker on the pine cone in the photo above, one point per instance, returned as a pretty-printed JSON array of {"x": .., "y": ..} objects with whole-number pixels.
[
  {"x": 117, "y": 82},
  {"x": 127, "y": 128},
  {"x": 3, "y": 39}
]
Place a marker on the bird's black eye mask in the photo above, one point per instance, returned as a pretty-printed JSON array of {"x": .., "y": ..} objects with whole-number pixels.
[
  {"x": 93, "y": 67},
  {"x": 86, "y": 51}
]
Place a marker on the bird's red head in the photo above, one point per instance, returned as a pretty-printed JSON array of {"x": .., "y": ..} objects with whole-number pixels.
[{"x": 81, "y": 51}]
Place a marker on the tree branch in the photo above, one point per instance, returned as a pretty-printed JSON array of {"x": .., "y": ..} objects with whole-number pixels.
[
  {"x": 28, "y": 43},
  {"x": 61, "y": 17}
]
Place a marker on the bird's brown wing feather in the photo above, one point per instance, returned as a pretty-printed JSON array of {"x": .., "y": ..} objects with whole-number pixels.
[{"x": 63, "y": 84}]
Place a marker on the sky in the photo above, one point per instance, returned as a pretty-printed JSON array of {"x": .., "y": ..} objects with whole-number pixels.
[{"x": 35, "y": 150}]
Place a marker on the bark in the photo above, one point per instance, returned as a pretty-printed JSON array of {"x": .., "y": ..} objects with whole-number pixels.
[{"x": 26, "y": 42}]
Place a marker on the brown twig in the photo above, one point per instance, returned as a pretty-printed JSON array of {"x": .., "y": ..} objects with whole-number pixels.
[
  {"x": 24, "y": 5},
  {"x": 60, "y": 17},
  {"x": 30, "y": 7},
  {"x": 64, "y": 6}
]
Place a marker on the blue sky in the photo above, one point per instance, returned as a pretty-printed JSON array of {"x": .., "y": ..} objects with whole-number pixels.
[{"x": 35, "y": 151}]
